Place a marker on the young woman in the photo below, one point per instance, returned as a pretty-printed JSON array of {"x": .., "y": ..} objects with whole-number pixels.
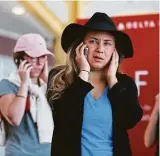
[
  {"x": 94, "y": 104},
  {"x": 23, "y": 104}
]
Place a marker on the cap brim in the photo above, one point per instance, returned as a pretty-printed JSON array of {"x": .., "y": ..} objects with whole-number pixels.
[{"x": 40, "y": 53}]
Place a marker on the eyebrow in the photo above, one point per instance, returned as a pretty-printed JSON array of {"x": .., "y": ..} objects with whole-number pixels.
[{"x": 97, "y": 39}]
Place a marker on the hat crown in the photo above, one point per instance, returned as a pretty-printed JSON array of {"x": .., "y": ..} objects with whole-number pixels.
[
  {"x": 29, "y": 42},
  {"x": 99, "y": 18},
  {"x": 32, "y": 44}
]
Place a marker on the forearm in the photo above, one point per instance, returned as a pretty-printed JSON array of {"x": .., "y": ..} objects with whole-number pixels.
[
  {"x": 75, "y": 91},
  {"x": 150, "y": 133},
  {"x": 126, "y": 113},
  {"x": 74, "y": 95},
  {"x": 17, "y": 108},
  {"x": 125, "y": 105}
]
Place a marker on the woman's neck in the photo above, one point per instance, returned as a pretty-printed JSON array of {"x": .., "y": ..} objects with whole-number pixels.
[
  {"x": 97, "y": 78},
  {"x": 34, "y": 80}
]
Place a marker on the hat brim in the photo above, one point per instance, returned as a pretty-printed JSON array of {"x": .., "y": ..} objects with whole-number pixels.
[
  {"x": 74, "y": 31},
  {"x": 38, "y": 53}
]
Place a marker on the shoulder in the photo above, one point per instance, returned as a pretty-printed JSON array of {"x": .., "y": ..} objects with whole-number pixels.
[
  {"x": 5, "y": 82},
  {"x": 56, "y": 70},
  {"x": 127, "y": 82},
  {"x": 124, "y": 78},
  {"x": 7, "y": 87}
]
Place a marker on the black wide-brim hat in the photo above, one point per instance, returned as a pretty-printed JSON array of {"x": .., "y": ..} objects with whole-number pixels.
[{"x": 98, "y": 22}]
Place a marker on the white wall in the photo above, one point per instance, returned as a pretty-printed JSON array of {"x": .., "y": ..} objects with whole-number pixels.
[
  {"x": 6, "y": 66},
  {"x": 2, "y": 151}
]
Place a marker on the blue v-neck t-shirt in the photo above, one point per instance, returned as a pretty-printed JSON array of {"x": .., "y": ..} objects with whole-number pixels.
[{"x": 96, "y": 136}]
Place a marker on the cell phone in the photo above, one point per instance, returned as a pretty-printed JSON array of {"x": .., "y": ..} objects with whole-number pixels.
[{"x": 86, "y": 52}]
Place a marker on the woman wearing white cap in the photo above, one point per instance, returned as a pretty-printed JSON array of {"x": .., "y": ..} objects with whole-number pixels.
[{"x": 26, "y": 113}]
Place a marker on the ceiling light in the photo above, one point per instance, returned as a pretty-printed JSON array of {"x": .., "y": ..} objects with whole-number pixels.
[{"x": 18, "y": 10}]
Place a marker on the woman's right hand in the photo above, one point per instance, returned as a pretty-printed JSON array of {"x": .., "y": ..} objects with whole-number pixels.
[
  {"x": 81, "y": 59},
  {"x": 24, "y": 71}
]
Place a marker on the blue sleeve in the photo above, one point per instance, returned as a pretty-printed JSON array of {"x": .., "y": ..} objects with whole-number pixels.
[{"x": 7, "y": 87}]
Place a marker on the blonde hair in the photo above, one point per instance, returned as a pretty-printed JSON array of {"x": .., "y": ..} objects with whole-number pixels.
[{"x": 64, "y": 75}]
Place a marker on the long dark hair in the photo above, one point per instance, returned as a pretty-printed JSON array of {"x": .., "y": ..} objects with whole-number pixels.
[{"x": 59, "y": 81}]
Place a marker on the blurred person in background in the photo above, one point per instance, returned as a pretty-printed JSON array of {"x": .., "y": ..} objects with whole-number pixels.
[
  {"x": 151, "y": 136},
  {"x": 93, "y": 103},
  {"x": 26, "y": 112}
]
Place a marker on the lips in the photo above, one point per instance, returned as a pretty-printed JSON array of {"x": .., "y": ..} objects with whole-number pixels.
[
  {"x": 98, "y": 58},
  {"x": 36, "y": 69}
]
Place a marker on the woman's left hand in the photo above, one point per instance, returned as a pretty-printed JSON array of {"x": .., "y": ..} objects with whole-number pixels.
[
  {"x": 112, "y": 67},
  {"x": 44, "y": 74},
  {"x": 111, "y": 71}
]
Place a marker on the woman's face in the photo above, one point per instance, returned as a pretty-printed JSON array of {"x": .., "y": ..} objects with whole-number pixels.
[
  {"x": 37, "y": 65},
  {"x": 101, "y": 45}
]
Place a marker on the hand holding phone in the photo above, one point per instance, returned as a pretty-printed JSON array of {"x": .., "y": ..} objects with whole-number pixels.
[
  {"x": 81, "y": 55},
  {"x": 112, "y": 65},
  {"x": 24, "y": 71}
]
